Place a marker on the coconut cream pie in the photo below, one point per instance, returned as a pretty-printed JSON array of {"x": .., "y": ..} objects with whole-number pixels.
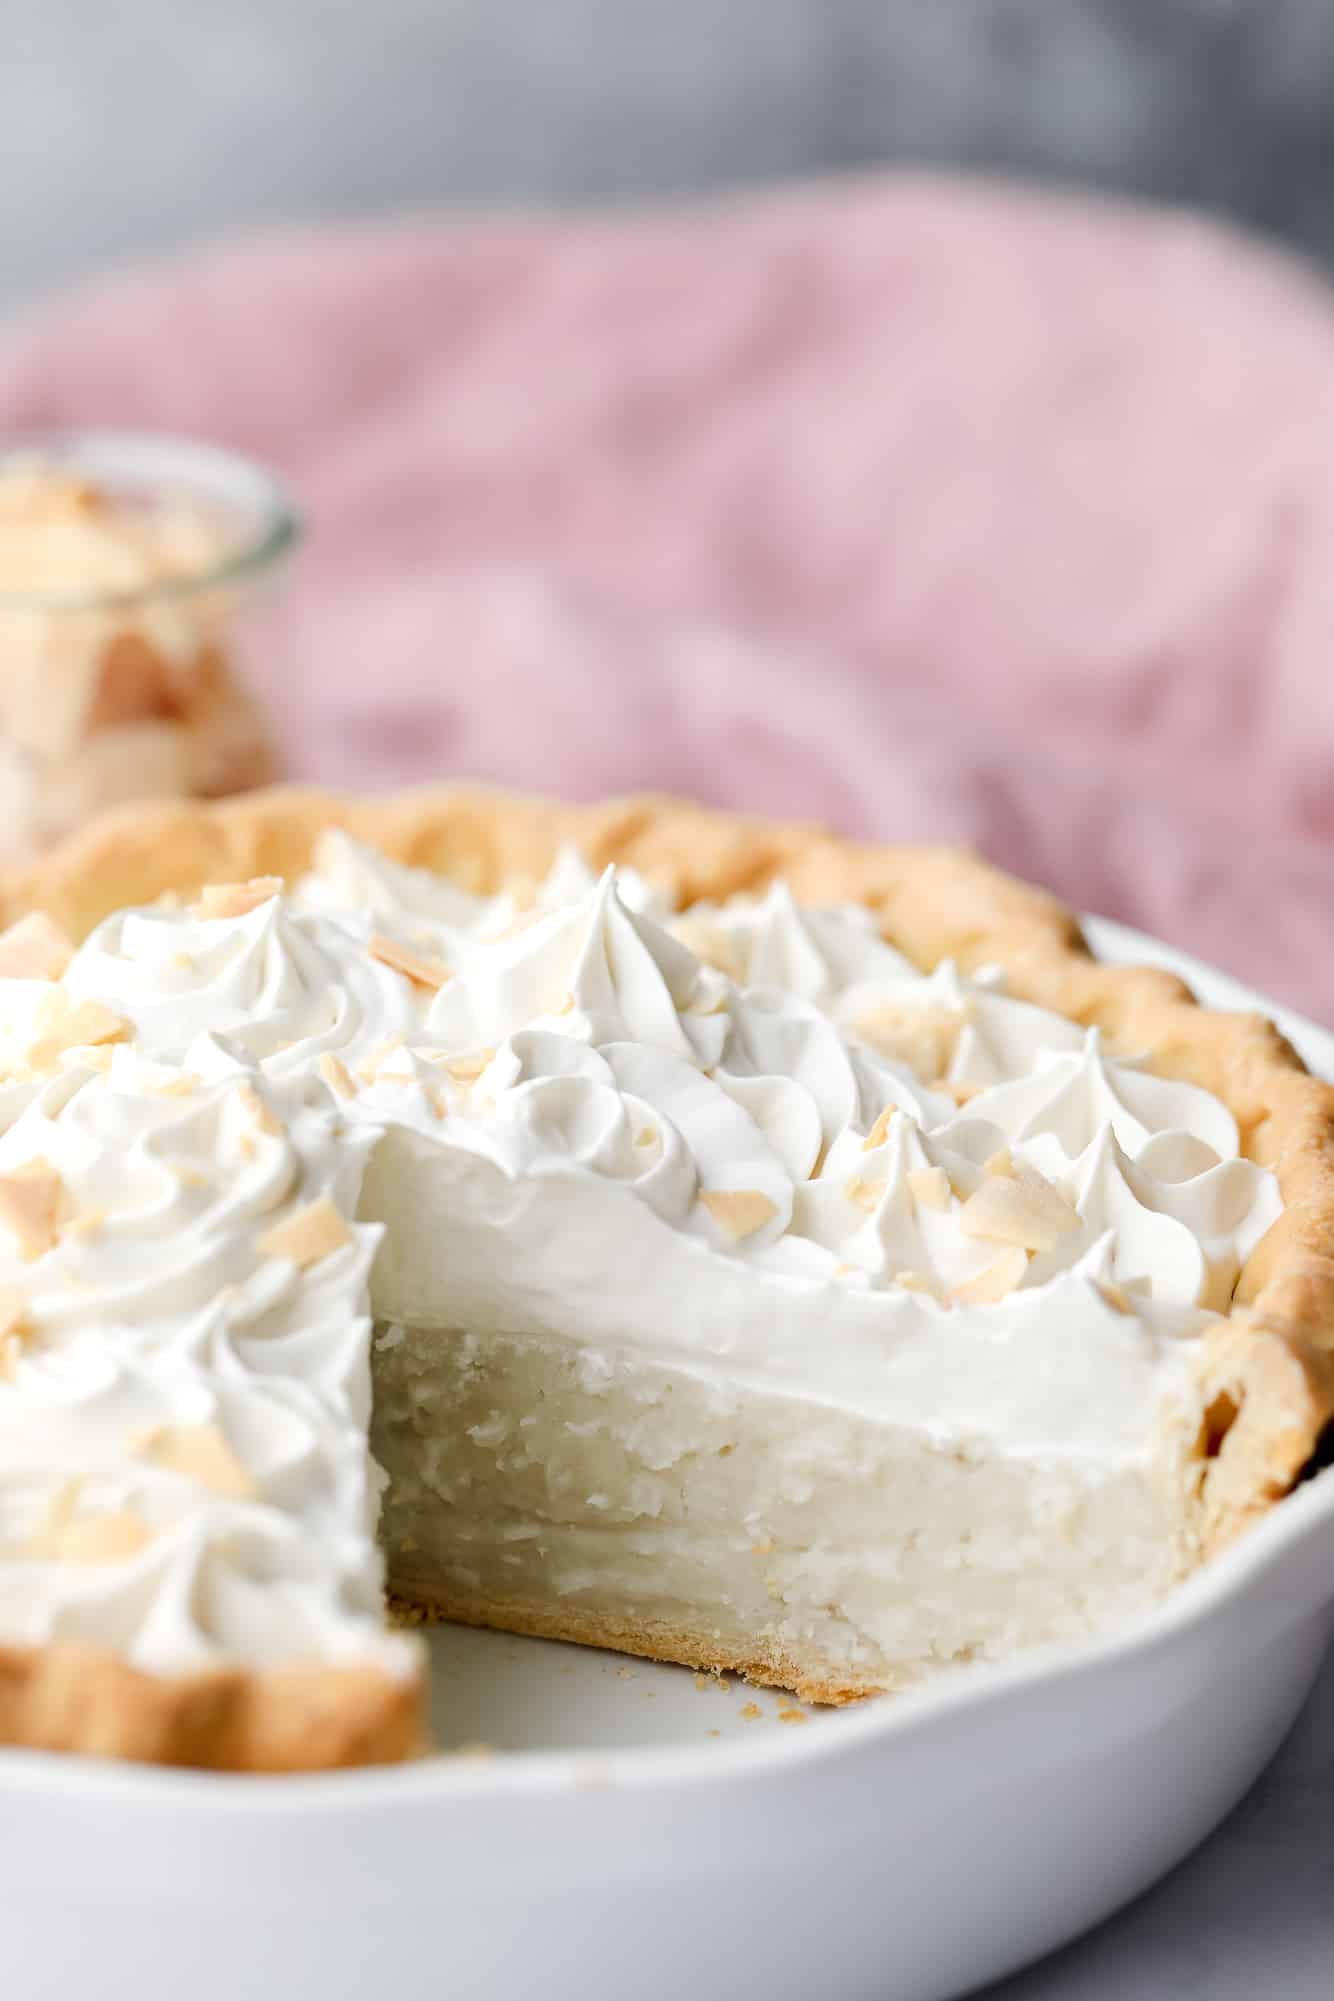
[{"x": 632, "y": 1225}]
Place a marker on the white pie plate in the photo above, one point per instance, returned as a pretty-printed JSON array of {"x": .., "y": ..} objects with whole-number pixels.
[{"x": 637, "y": 1836}]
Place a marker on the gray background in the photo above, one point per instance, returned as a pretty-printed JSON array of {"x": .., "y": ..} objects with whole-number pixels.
[{"x": 130, "y": 126}]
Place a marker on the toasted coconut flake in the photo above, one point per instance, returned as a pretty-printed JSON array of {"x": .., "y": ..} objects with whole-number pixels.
[
  {"x": 922, "y": 1037},
  {"x": 262, "y": 1116},
  {"x": 197, "y": 1452},
  {"x": 183, "y": 1085},
  {"x": 1115, "y": 1296},
  {"x": 337, "y": 1075},
  {"x": 738, "y": 1212},
  {"x": 34, "y": 949},
  {"x": 1024, "y": 1210},
  {"x": 1000, "y": 1162},
  {"x": 307, "y": 1236},
  {"x": 89, "y": 1024},
  {"x": 32, "y": 1199},
  {"x": 997, "y": 1282},
  {"x": 917, "y": 1281},
  {"x": 930, "y": 1187},
  {"x": 66, "y": 1024},
  {"x": 467, "y": 1069},
  {"x": 957, "y": 1088},
  {"x": 235, "y": 899},
  {"x": 879, "y": 1132},
  {"x": 15, "y": 1328},
  {"x": 371, "y": 1065},
  {"x": 110, "y": 1538},
  {"x": 13, "y": 1309},
  {"x": 414, "y": 966},
  {"x": 862, "y": 1194}
]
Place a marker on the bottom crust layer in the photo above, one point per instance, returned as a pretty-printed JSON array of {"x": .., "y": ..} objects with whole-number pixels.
[{"x": 648, "y": 1640}]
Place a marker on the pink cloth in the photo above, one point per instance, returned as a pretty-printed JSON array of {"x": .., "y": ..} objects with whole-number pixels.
[{"x": 927, "y": 509}]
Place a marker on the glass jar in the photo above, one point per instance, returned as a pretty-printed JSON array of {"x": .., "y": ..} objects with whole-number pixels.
[{"x": 137, "y": 579}]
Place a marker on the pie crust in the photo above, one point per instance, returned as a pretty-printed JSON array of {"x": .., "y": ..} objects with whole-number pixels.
[{"x": 1269, "y": 1367}]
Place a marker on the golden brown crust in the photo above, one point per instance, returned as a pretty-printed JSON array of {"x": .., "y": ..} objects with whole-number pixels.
[
  {"x": 84, "y": 1699},
  {"x": 1270, "y": 1372}
]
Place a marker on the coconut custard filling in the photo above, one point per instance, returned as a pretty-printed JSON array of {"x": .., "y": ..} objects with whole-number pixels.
[{"x": 715, "y": 1285}]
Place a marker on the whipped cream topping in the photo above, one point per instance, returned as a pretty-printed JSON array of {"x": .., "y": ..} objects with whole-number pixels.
[{"x": 751, "y": 1140}]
